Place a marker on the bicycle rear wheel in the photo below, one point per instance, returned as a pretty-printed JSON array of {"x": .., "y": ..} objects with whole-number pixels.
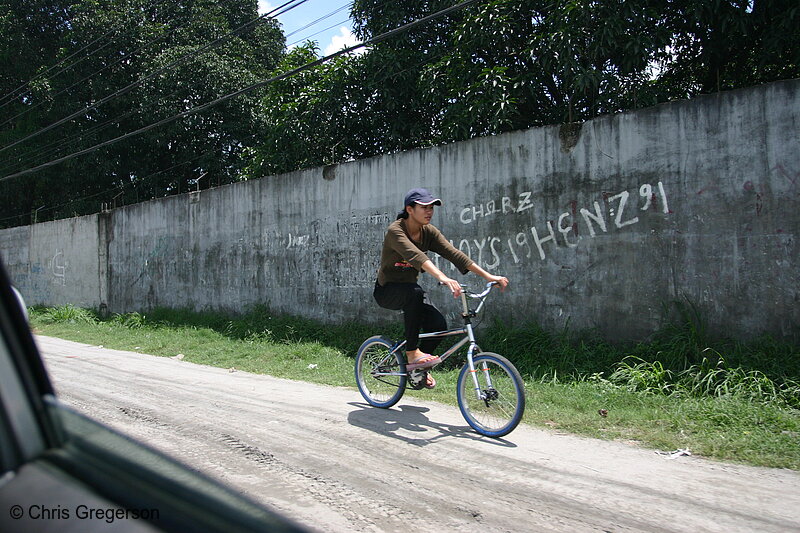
[
  {"x": 496, "y": 407},
  {"x": 380, "y": 374}
]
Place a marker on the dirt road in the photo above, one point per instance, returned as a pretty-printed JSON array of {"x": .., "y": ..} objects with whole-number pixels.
[{"x": 323, "y": 457}]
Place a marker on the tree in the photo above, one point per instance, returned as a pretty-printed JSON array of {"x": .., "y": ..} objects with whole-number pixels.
[
  {"x": 404, "y": 113},
  {"x": 102, "y": 51},
  {"x": 357, "y": 106},
  {"x": 526, "y": 63},
  {"x": 720, "y": 45},
  {"x": 495, "y": 66},
  {"x": 505, "y": 65}
]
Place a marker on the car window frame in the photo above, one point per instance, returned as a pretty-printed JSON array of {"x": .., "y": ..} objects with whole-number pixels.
[{"x": 26, "y": 428}]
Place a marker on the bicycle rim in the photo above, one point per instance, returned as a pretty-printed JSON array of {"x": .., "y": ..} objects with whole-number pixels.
[
  {"x": 502, "y": 404},
  {"x": 374, "y": 358}
]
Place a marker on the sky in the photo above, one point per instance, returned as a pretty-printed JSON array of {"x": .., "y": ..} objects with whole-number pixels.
[{"x": 332, "y": 34}]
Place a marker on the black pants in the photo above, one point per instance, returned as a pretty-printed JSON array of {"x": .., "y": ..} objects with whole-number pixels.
[{"x": 410, "y": 298}]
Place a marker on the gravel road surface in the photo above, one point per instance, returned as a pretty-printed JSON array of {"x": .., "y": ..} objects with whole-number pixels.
[{"x": 321, "y": 456}]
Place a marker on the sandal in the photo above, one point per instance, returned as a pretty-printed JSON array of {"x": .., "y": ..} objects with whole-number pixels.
[
  {"x": 425, "y": 362},
  {"x": 430, "y": 382}
]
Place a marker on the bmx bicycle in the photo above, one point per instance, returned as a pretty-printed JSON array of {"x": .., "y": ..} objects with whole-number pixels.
[{"x": 490, "y": 391}]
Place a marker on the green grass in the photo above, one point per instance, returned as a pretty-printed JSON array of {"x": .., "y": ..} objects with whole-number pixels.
[{"x": 722, "y": 400}]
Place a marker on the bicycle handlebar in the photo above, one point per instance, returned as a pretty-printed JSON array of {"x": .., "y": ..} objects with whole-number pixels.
[
  {"x": 467, "y": 313},
  {"x": 483, "y": 294},
  {"x": 486, "y": 291}
]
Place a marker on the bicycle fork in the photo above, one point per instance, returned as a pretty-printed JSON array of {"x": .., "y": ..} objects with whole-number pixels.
[{"x": 479, "y": 393}]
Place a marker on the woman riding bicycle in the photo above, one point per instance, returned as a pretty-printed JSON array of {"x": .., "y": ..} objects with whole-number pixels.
[{"x": 402, "y": 259}]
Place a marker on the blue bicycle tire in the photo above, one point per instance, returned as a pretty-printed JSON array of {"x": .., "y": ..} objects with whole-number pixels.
[
  {"x": 497, "y": 416},
  {"x": 379, "y": 391}
]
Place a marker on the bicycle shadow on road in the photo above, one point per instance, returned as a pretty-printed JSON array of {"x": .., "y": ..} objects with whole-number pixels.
[{"x": 410, "y": 418}]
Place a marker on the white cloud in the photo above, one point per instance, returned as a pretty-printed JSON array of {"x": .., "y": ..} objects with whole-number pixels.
[
  {"x": 345, "y": 39},
  {"x": 264, "y": 7}
]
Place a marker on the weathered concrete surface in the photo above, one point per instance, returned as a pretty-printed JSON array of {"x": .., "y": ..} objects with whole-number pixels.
[
  {"x": 600, "y": 226},
  {"x": 55, "y": 263}
]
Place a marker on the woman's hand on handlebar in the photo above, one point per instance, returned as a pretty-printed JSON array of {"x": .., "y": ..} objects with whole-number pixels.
[
  {"x": 453, "y": 285},
  {"x": 500, "y": 280},
  {"x": 491, "y": 278}
]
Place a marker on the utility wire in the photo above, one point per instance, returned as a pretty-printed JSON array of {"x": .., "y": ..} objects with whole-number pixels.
[
  {"x": 108, "y": 191},
  {"x": 153, "y": 74},
  {"x": 282, "y": 12},
  {"x": 55, "y": 146},
  {"x": 298, "y": 30},
  {"x": 306, "y": 38},
  {"x": 131, "y": 86},
  {"x": 11, "y": 96},
  {"x": 292, "y": 72},
  {"x": 42, "y": 151}
]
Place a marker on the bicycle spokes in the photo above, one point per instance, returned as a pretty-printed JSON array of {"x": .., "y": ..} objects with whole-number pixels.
[
  {"x": 378, "y": 373},
  {"x": 492, "y": 398}
]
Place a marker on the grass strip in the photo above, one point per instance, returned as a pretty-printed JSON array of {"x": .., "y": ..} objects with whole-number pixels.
[{"x": 695, "y": 401}]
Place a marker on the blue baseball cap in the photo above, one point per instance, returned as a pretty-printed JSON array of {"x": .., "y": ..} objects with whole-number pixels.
[{"x": 421, "y": 197}]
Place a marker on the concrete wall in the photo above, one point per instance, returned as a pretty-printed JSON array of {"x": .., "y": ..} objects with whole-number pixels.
[
  {"x": 600, "y": 226},
  {"x": 55, "y": 263}
]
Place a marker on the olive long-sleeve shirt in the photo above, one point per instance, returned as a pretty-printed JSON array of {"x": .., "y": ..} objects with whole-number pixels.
[{"x": 402, "y": 258}]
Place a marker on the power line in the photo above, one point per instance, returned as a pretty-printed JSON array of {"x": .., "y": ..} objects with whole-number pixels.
[
  {"x": 284, "y": 11},
  {"x": 13, "y": 94},
  {"x": 55, "y": 146},
  {"x": 298, "y": 30},
  {"x": 153, "y": 74},
  {"x": 131, "y": 86},
  {"x": 139, "y": 180},
  {"x": 10, "y": 97},
  {"x": 292, "y": 72},
  {"x": 307, "y": 37},
  {"x": 39, "y": 151},
  {"x": 45, "y": 209}
]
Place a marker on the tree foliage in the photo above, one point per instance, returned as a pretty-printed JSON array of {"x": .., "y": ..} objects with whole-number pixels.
[
  {"x": 137, "y": 61},
  {"x": 495, "y": 66},
  {"x": 505, "y": 65}
]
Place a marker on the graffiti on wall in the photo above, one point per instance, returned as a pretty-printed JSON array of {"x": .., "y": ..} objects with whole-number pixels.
[
  {"x": 58, "y": 267},
  {"x": 297, "y": 241},
  {"x": 150, "y": 260},
  {"x": 564, "y": 230}
]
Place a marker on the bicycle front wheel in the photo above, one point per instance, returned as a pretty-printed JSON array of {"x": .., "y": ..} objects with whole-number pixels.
[
  {"x": 495, "y": 406},
  {"x": 380, "y": 374}
]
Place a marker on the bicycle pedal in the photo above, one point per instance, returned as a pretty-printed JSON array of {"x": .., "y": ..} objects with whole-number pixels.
[{"x": 417, "y": 379}]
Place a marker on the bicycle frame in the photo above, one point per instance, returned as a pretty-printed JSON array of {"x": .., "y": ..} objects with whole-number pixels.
[{"x": 469, "y": 337}]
